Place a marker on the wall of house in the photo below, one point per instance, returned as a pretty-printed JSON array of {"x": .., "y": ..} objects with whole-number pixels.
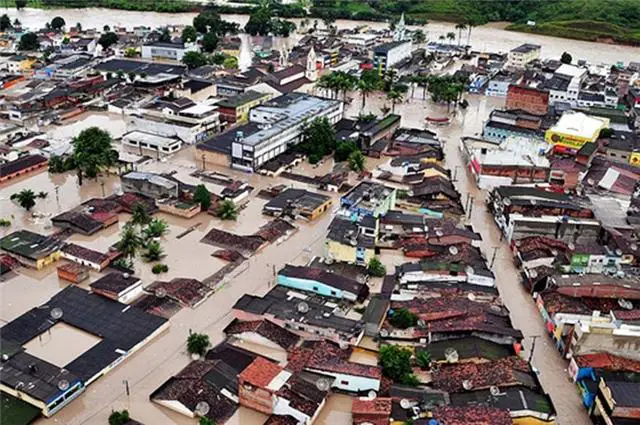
[
  {"x": 255, "y": 398},
  {"x": 206, "y": 159},
  {"x": 314, "y": 286},
  {"x": 283, "y": 407},
  {"x": 51, "y": 258},
  {"x": 81, "y": 261},
  {"x": 619, "y": 345},
  {"x": 346, "y": 253},
  {"x": 351, "y": 383}
]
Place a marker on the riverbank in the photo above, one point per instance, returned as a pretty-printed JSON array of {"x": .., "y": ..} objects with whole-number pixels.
[{"x": 594, "y": 31}]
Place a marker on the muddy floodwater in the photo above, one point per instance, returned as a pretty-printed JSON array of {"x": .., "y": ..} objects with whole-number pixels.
[
  {"x": 491, "y": 37},
  {"x": 187, "y": 257}
]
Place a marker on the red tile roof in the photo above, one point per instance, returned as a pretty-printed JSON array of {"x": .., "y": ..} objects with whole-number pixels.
[
  {"x": 260, "y": 372},
  {"x": 449, "y": 415},
  {"x": 507, "y": 371},
  {"x": 269, "y": 330},
  {"x": 377, "y": 406},
  {"x": 608, "y": 362},
  {"x": 329, "y": 357}
]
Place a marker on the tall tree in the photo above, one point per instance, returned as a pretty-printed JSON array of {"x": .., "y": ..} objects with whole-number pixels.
[
  {"x": 189, "y": 34},
  {"x": 194, "y": 60},
  {"x": 419, "y": 37},
  {"x": 93, "y": 152},
  {"x": 108, "y": 39},
  {"x": 21, "y": 4},
  {"x": 227, "y": 210},
  {"x": 210, "y": 42},
  {"x": 26, "y": 198},
  {"x": 395, "y": 97},
  {"x": 140, "y": 214},
  {"x": 202, "y": 196},
  {"x": 57, "y": 23},
  {"x": 318, "y": 139},
  {"x": 29, "y": 41},
  {"x": 451, "y": 36},
  {"x": 460, "y": 27},
  {"x": 356, "y": 161},
  {"x": 5, "y": 23},
  {"x": 368, "y": 83},
  {"x": 129, "y": 241}
]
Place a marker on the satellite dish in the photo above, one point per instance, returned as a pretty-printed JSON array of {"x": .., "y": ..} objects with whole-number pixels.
[
  {"x": 554, "y": 252},
  {"x": 590, "y": 182},
  {"x": 571, "y": 246},
  {"x": 56, "y": 313},
  {"x": 302, "y": 307},
  {"x": 63, "y": 385},
  {"x": 533, "y": 274},
  {"x": 618, "y": 252},
  {"x": 439, "y": 233},
  {"x": 469, "y": 271},
  {"x": 371, "y": 395},
  {"x": 451, "y": 355},
  {"x": 384, "y": 333},
  {"x": 202, "y": 408},
  {"x": 161, "y": 292},
  {"x": 634, "y": 247},
  {"x": 406, "y": 404},
  {"x": 323, "y": 384},
  {"x": 125, "y": 275},
  {"x": 495, "y": 391},
  {"x": 421, "y": 323},
  {"x": 467, "y": 384},
  {"x": 5, "y": 357},
  {"x": 627, "y": 305},
  {"x": 471, "y": 296},
  {"x": 343, "y": 345},
  {"x": 518, "y": 243},
  {"x": 533, "y": 201},
  {"x": 195, "y": 356},
  {"x": 453, "y": 250},
  {"x": 506, "y": 201}
]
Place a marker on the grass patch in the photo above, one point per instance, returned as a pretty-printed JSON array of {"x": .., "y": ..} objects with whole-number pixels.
[{"x": 17, "y": 412}]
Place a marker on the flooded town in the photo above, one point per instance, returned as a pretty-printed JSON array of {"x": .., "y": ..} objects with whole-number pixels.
[{"x": 247, "y": 219}]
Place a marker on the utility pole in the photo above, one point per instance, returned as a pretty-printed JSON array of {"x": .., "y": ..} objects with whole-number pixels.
[
  {"x": 533, "y": 346},
  {"x": 455, "y": 174},
  {"x": 470, "y": 207},
  {"x": 102, "y": 186},
  {"x": 493, "y": 257}
]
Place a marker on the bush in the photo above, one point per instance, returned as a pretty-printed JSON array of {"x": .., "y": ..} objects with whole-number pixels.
[
  {"x": 202, "y": 196},
  {"x": 159, "y": 268},
  {"x": 375, "y": 268},
  {"x": 403, "y": 318},
  {"x": 4, "y": 222},
  {"x": 197, "y": 343},
  {"x": 423, "y": 359},
  {"x": 396, "y": 364},
  {"x": 119, "y": 417}
]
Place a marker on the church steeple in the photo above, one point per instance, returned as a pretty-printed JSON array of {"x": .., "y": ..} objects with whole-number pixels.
[
  {"x": 312, "y": 70},
  {"x": 399, "y": 34}
]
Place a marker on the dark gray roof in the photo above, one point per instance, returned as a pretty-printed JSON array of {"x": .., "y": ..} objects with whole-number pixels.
[
  {"x": 150, "y": 68},
  {"x": 298, "y": 198},
  {"x": 114, "y": 282},
  {"x": 29, "y": 244},
  {"x": 331, "y": 279},
  {"x": 20, "y": 164},
  {"x": 345, "y": 231},
  {"x": 625, "y": 394},
  {"x": 469, "y": 348},
  {"x": 515, "y": 398},
  {"x": 386, "y": 47}
]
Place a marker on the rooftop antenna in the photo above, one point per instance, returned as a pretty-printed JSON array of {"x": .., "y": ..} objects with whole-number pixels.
[
  {"x": 202, "y": 408},
  {"x": 439, "y": 233},
  {"x": 571, "y": 246},
  {"x": 302, "y": 307},
  {"x": 533, "y": 274},
  {"x": 56, "y": 313},
  {"x": 421, "y": 323},
  {"x": 323, "y": 384},
  {"x": 63, "y": 385},
  {"x": 451, "y": 355},
  {"x": 471, "y": 296},
  {"x": 627, "y": 305}
]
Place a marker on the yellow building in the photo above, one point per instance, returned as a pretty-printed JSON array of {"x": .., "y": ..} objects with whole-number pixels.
[
  {"x": 352, "y": 242},
  {"x": 574, "y": 129},
  {"x": 19, "y": 64},
  {"x": 31, "y": 249},
  {"x": 236, "y": 109}
]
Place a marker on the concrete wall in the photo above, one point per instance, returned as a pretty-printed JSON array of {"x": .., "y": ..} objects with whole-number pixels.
[
  {"x": 351, "y": 383},
  {"x": 315, "y": 286}
]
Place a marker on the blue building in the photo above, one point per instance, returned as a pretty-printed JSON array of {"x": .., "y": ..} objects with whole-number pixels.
[{"x": 322, "y": 283}]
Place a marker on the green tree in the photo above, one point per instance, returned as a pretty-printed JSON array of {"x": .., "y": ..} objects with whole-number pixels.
[
  {"x": 227, "y": 210},
  {"x": 21, "y": 4},
  {"x": 423, "y": 359},
  {"x": 403, "y": 318},
  {"x": 194, "y": 60},
  {"x": 197, "y": 343},
  {"x": 119, "y": 417},
  {"x": 92, "y": 152},
  {"x": 189, "y": 34},
  {"x": 210, "y": 42},
  {"x": 259, "y": 22},
  {"x": 395, "y": 97},
  {"x": 108, "y": 39},
  {"x": 156, "y": 228},
  {"x": 26, "y": 198},
  {"x": 165, "y": 36},
  {"x": 451, "y": 36},
  {"x": 460, "y": 27},
  {"x": 566, "y": 58},
  {"x": 318, "y": 139},
  {"x": 218, "y": 58},
  {"x": 5, "y": 23},
  {"x": 396, "y": 363},
  {"x": 368, "y": 83},
  {"x": 202, "y": 196},
  {"x": 343, "y": 150},
  {"x": 57, "y": 23},
  {"x": 29, "y": 41},
  {"x": 419, "y": 37},
  {"x": 129, "y": 241},
  {"x": 131, "y": 52},
  {"x": 230, "y": 62},
  {"x": 153, "y": 251},
  {"x": 206, "y": 421},
  {"x": 140, "y": 214},
  {"x": 376, "y": 268},
  {"x": 106, "y": 28},
  {"x": 356, "y": 161}
]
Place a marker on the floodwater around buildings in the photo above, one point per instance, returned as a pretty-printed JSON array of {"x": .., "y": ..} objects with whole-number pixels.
[
  {"x": 491, "y": 37},
  {"x": 187, "y": 257}
]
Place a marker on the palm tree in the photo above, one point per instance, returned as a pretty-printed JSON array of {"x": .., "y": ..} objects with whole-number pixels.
[
  {"x": 227, "y": 210},
  {"x": 451, "y": 36},
  {"x": 470, "y": 25},
  {"x": 419, "y": 37},
  {"x": 356, "y": 161},
  {"x": 441, "y": 38},
  {"x": 154, "y": 251},
  {"x": 368, "y": 83},
  {"x": 415, "y": 80},
  {"x": 140, "y": 214},
  {"x": 129, "y": 241},
  {"x": 460, "y": 27},
  {"x": 26, "y": 198},
  {"x": 156, "y": 228},
  {"x": 394, "y": 96}
]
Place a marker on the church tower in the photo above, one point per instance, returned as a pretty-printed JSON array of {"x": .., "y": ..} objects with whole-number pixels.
[
  {"x": 399, "y": 34},
  {"x": 312, "y": 70}
]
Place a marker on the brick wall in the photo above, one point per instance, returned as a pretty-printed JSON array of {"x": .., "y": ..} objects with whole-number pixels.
[{"x": 528, "y": 99}]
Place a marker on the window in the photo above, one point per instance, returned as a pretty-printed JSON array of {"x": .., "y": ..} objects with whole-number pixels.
[
  {"x": 315, "y": 288},
  {"x": 334, "y": 293},
  {"x": 344, "y": 382}
]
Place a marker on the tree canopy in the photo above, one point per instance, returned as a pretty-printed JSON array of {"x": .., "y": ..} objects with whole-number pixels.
[
  {"x": 57, "y": 23},
  {"x": 396, "y": 363},
  {"x": 189, "y": 34},
  {"x": 29, "y": 41},
  {"x": 93, "y": 152},
  {"x": 198, "y": 343},
  {"x": 194, "y": 59},
  {"x": 202, "y": 196},
  {"x": 5, "y": 23},
  {"x": 318, "y": 139},
  {"x": 108, "y": 39}
]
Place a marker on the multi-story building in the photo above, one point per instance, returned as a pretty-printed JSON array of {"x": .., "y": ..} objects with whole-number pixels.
[
  {"x": 386, "y": 55},
  {"x": 523, "y": 54},
  {"x": 574, "y": 129},
  {"x": 167, "y": 51},
  {"x": 529, "y": 99},
  {"x": 236, "y": 109},
  {"x": 273, "y": 128}
]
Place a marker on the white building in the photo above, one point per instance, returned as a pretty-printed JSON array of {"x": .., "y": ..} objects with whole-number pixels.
[
  {"x": 522, "y": 55},
  {"x": 565, "y": 84},
  {"x": 153, "y": 142},
  {"x": 167, "y": 51},
  {"x": 276, "y": 125},
  {"x": 366, "y": 40},
  {"x": 387, "y": 55}
]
